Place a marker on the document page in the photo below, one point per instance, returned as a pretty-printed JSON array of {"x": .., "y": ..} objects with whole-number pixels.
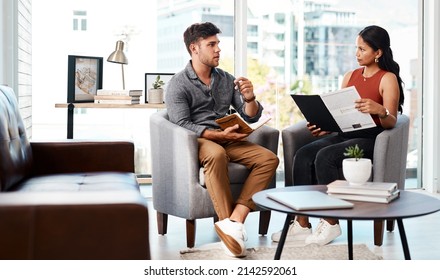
[{"x": 341, "y": 105}]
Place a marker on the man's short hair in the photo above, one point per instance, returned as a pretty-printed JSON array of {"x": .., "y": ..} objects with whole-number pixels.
[{"x": 199, "y": 31}]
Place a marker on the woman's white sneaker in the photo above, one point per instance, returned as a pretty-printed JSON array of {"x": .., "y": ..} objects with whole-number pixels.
[
  {"x": 295, "y": 233},
  {"x": 324, "y": 234}
]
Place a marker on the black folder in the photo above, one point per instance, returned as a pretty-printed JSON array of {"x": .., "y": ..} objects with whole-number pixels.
[
  {"x": 334, "y": 111},
  {"x": 315, "y": 112}
]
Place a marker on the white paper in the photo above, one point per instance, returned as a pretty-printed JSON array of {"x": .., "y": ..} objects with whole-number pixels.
[{"x": 341, "y": 105}]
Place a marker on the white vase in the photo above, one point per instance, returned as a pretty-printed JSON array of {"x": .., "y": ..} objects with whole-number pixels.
[
  {"x": 356, "y": 172},
  {"x": 155, "y": 96}
]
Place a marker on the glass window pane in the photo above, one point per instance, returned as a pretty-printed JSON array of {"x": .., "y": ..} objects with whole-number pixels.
[{"x": 307, "y": 46}]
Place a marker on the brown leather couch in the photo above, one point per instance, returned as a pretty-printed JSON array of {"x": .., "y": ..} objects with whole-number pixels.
[{"x": 69, "y": 199}]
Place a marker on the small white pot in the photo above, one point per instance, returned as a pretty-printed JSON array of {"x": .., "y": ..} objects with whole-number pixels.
[
  {"x": 155, "y": 96},
  {"x": 356, "y": 172}
]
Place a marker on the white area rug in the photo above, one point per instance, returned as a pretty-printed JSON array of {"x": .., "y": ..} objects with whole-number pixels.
[{"x": 290, "y": 252}]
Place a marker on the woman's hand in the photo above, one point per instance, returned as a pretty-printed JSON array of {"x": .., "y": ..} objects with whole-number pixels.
[
  {"x": 366, "y": 105},
  {"x": 316, "y": 131}
]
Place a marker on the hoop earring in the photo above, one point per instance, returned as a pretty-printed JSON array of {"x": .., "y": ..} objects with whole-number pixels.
[{"x": 376, "y": 60}]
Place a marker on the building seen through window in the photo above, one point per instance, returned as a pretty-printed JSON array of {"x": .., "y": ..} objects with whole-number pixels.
[{"x": 80, "y": 20}]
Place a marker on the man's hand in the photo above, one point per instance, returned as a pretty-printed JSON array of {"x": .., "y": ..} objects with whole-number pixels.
[
  {"x": 245, "y": 87},
  {"x": 229, "y": 134}
]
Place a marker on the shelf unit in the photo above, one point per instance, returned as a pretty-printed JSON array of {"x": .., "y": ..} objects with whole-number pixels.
[{"x": 71, "y": 112}]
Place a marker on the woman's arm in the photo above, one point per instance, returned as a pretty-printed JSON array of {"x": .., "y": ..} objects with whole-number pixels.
[{"x": 389, "y": 89}]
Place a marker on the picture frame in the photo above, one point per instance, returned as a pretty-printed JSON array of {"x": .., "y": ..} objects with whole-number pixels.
[
  {"x": 84, "y": 78},
  {"x": 151, "y": 77}
]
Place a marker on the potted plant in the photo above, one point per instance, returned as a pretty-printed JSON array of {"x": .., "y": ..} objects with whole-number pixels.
[
  {"x": 356, "y": 169},
  {"x": 155, "y": 94}
]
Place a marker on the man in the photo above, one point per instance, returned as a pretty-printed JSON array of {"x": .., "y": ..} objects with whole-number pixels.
[{"x": 198, "y": 95}]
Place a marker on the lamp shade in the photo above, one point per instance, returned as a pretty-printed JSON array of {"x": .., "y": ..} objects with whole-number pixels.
[{"x": 118, "y": 56}]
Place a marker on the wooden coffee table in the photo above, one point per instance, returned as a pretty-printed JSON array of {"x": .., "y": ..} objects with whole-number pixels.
[{"x": 408, "y": 205}]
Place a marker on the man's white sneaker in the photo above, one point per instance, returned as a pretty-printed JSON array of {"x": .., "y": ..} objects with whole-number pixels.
[
  {"x": 233, "y": 235},
  {"x": 229, "y": 253},
  {"x": 295, "y": 233},
  {"x": 324, "y": 234}
]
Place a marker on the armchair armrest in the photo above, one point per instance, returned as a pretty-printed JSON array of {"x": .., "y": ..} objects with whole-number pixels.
[
  {"x": 70, "y": 156},
  {"x": 293, "y": 137},
  {"x": 175, "y": 165},
  {"x": 267, "y": 137},
  {"x": 390, "y": 152}
]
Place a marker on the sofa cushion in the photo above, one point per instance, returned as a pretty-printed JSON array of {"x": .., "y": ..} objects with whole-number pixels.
[
  {"x": 94, "y": 181},
  {"x": 15, "y": 150}
]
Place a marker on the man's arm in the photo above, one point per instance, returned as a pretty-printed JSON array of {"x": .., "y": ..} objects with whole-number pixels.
[
  {"x": 246, "y": 89},
  {"x": 229, "y": 134}
]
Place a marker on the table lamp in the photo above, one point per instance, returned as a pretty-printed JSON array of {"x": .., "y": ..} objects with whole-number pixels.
[{"x": 118, "y": 56}]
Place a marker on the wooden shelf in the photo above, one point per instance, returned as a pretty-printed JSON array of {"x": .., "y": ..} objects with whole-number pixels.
[{"x": 113, "y": 106}]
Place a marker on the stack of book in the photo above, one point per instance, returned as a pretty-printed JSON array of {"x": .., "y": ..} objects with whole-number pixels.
[
  {"x": 105, "y": 96},
  {"x": 370, "y": 191}
]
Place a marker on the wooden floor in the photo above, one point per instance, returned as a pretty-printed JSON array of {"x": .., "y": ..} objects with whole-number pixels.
[{"x": 422, "y": 233}]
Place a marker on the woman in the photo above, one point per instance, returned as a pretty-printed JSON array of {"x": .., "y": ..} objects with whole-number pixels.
[{"x": 380, "y": 88}]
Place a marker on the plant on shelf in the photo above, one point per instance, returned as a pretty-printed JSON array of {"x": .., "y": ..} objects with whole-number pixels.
[
  {"x": 158, "y": 83},
  {"x": 354, "y": 152},
  {"x": 155, "y": 94},
  {"x": 356, "y": 169}
]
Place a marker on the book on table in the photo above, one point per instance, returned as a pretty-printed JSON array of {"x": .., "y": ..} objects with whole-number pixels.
[
  {"x": 367, "y": 198},
  {"x": 382, "y": 192},
  {"x": 334, "y": 111},
  {"x": 368, "y": 188},
  {"x": 244, "y": 127}
]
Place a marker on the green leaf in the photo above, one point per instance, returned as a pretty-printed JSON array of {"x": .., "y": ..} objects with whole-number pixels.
[{"x": 354, "y": 152}]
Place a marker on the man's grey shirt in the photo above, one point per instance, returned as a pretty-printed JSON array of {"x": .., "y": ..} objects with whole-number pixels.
[{"x": 195, "y": 106}]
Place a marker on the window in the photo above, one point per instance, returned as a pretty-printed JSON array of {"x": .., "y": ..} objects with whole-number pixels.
[
  {"x": 292, "y": 45},
  {"x": 79, "y": 20},
  {"x": 319, "y": 48}
]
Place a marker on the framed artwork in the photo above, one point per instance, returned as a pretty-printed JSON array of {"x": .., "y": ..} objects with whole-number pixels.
[
  {"x": 150, "y": 78},
  {"x": 84, "y": 78}
]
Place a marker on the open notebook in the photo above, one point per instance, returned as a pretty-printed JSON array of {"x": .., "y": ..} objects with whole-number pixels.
[{"x": 308, "y": 200}]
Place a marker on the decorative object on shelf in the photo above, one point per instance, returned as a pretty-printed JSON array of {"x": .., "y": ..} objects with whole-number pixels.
[
  {"x": 155, "y": 87},
  {"x": 356, "y": 170},
  {"x": 118, "y": 56},
  {"x": 84, "y": 78},
  {"x": 155, "y": 94}
]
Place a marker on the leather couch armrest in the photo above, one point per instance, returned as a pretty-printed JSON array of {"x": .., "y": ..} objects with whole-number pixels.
[{"x": 70, "y": 156}]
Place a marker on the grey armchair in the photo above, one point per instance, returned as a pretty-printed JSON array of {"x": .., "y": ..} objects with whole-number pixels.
[
  {"x": 389, "y": 159},
  {"x": 178, "y": 180}
]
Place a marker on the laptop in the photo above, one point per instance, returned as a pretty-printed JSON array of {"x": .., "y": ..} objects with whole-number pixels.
[{"x": 308, "y": 200}]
